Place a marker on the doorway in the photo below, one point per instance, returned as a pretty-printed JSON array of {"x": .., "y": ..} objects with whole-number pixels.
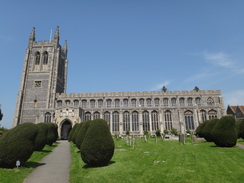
[{"x": 65, "y": 129}]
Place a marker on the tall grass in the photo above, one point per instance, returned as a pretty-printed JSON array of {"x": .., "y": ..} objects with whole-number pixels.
[{"x": 166, "y": 161}]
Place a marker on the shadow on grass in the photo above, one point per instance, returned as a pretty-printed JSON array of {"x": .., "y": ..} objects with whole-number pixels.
[
  {"x": 45, "y": 151},
  {"x": 31, "y": 164},
  {"x": 86, "y": 166}
]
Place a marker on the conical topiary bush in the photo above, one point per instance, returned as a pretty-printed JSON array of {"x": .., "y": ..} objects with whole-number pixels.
[{"x": 207, "y": 130}]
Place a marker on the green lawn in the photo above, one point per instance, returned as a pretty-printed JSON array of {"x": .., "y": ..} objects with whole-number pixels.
[
  {"x": 17, "y": 175},
  {"x": 166, "y": 161}
]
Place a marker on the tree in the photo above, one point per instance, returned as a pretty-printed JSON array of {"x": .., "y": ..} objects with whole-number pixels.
[
  {"x": 1, "y": 114},
  {"x": 41, "y": 137},
  {"x": 207, "y": 130},
  {"x": 164, "y": 89},
  {"x": 51, "y": 134},
  {"x": 72, "y": 132},
  {"x": 196, "y": 89}
]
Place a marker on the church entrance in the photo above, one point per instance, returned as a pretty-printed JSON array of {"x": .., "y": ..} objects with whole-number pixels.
[{"x": 65, "y": 129}]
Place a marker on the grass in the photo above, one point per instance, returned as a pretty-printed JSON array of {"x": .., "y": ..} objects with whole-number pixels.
[
  {"x": 17, "y": 175},
  {"x": 166, "y": 161}
]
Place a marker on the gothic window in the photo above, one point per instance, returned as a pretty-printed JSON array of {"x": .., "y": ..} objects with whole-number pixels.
[
  {"x": 182, "y": 102},
  {"x": 125, "y": 101},
  {"x": 76, "y": 103},
  {"x": 37, "y": 59},
  {"x": 212, "y": 114},
  {"x": 168, "y": 120},
  {"x": 126, "y": 121},
  {"x": 115, "y": 122},
  {"x": 59, "y": 103},
  {"x": 45, "y": 58},
  {"x": 96, "y": 115},
  {"x": 100, "y": 103},
  {"x": 156, "y": 101},
  {"x": 38, "y": 84},
  {"x": 47, "y": 117},
  {"x": 106, "y": 117},
  {"x": 109, "y": 103},
  {"x": 203, "y": 115},
  {"x": 173, "y": 101},
  {"x": 166, "y": 102},
  {"x": 189, "y": 101},
  {"x": 155, "y": 120},
  {"x": 92, "y": 103},
  {"x": 189, "y": 122},
  {"x": 198, "y": 101},
  {"x": 117, "y": 103},
  {"x": 87, "y": 116},
  {"x": 135, "y": 123},
  {"x": 83, "y": 103},
  {"x": 141, "y": 101},
  {"x": 35, "y": 103},
  {"x": 149, "y": 102},
  {"x": 67, "y": 102},
  {"x": 145, "y": 121},
  {"x": 133, "y": 102},
  {"x": 210, "y": 101}
]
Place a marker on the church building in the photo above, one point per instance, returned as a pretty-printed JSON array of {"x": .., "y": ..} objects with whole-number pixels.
[{"x": 42, "y": 97}]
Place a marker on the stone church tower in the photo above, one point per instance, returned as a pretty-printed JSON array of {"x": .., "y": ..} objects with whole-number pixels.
[{"x": 44, "y": 74}]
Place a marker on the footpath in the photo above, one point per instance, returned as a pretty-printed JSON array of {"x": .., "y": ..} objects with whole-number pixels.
[{"x": 54, "y": 168}]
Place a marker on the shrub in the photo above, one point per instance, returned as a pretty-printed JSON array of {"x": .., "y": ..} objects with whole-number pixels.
[
  {"x": 18, "y": 144},
  {"x": 174, "y": 131},
  {"x": 41, "y": 137},
  {"x": 166, "y": 131},
  {"x": 158, "y": 132},
  {"x": 82, "y": 133},
  {"x": 51, "y": 134},
  {"x": 238, "y": 128},
  {"x": 72, "y": 132},
  {"x": 76, "y": 132},
  {"x": 200, "y": 129},
  {"x": 242, "y": 129},
  {"x": 97, "y": 148},
  {"x": 224, "y": 132},
  {"x": 145, "y": 133},
  {"x": 127, "y": 132},
  {"x": 207, "y": 130}
]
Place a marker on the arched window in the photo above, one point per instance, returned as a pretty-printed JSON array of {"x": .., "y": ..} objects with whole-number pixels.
[
  {"x": 67, "y": 102},
  {"x": 182, "y": 102},
  {"x": 115, "y": 122},
  {"x": 117, "y": 103},
  {"x": 126, "y": 121},
  {"x": 87, "y": 116},
  {"x": 145, "y": 121},
  {"x": 133, "y": 102},
  {"x": 189, "y": 101},
  {"x": 198, "y": 101},
  {"x": 76, "y": 103},
  {"x": 47, "y": 117},
  {"x": 83, "y": 103},
  {"x": 168, "y": 120},
  {"x": 189, "y": 122},
  {"x": 45, "y": 58},
  {"x": 96, "y": 115},
  {"x": 166, "y": 102},
  {"x": 156, "y": 102},
  {"x": 35, "y": 103},
  {"x": 203, "y": 115},
  {"x": 59, "y": 103},
  {"x": 210, "y": 101},
  {"x": 212, "y": 114},
  {"x": 135, "y": 123},
  {"x": 125, "y": 102},
  {"x": 100, "y": 103},
  {"x": 154, "y": 120},
  {"x": 92, "y": 103},
  {"x": 149, "y": 102},
  {"x": 37, "y": 58},
  {"x": 109, "y": 103},
  {"x": 141, "y": 101},
  {"x": 106, "y": 117},
  {"x": 173, "y": 101}
]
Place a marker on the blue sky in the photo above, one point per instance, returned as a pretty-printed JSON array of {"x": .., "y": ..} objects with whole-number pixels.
[{"x": 129, "y": 45}]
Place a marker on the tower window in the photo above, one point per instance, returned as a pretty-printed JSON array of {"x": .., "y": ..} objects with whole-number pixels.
[
  {"x": 37, "y": 61},
  {"x": 38, "y": 84},
  {"x": 45, "y": 58}
]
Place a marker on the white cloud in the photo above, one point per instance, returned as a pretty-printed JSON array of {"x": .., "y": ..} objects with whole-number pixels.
[
  {"x": 234, "y": 98},
  {"x": 159, "y": 86}
]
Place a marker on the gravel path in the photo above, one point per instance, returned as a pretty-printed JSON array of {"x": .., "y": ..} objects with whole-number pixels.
[{"x": 55, "y": 168}]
